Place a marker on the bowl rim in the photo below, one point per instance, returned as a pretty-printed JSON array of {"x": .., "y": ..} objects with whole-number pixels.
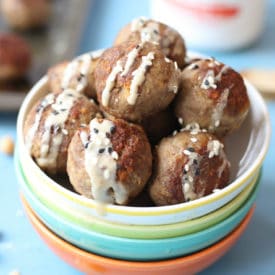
[
  {"x": 179, "y": 228},
  {"x": 149, "y": 210},
  {"x": 43, "y": 230}
]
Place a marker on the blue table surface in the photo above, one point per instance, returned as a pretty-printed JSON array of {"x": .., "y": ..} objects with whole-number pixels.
[{"x": 21, "y": 248}]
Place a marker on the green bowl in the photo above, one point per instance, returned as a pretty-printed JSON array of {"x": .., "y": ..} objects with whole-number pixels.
[{"x": 91, "y": 223}]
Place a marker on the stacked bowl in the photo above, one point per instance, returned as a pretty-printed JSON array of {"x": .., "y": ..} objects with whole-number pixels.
[{"x": 180, "y": 239}]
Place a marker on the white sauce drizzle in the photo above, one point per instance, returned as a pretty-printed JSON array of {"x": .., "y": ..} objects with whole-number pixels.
[
  {"x": 101, "y": 163},
  {"x": 139, "y": 77},
  {"x": 51, "y": 142},
  {"x": 191, "y": 171},
  {"x": 214, "y": 148},
  {"x": 48, "y": 100},
  {"x": 131, "y": 57},
  {"x": 110, "y": 83},
  {"x": 138, "y": 23},
  {"x": 209, "y": 80},
  {"x": 73, "y": 68},
  {"x": 218, "y": 110}
]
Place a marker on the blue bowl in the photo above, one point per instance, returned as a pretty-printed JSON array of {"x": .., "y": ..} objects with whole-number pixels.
[{"x": 134, "y": 249}]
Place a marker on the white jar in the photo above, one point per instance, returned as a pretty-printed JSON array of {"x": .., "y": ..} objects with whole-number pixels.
[{"x": 213, "y": 24}]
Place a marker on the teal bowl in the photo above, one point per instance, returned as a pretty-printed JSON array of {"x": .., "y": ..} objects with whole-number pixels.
[{"x": 135, "y": 249}]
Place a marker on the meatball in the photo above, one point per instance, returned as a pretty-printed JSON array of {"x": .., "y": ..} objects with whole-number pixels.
[
  {"x": 15, "y": 57},
  {"x": 213, "y": 95},
  {"x": 134, "y": 81},
  {"x": 159, "y": 125},
  {"x": 141, "y": 29},
  {"x": 50, "y": 125},
  {"x": 109, "y": 161},
  {"x": 77, "y": 74},
  {"x": 188, "y": 165},
  {"x": 25, "y": 14}
]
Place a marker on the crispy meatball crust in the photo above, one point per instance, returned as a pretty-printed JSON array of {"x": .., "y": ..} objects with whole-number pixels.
[
  {"x": 154, "y": 93},
  {"x": 160, "y": 125},
  {"x": 82, "y": 111},
  {"x": 180, "y": 175},
  {"x": 213, "y": 95},
  {"x": 134, "y": 161},
  {"x": 15, "y": 57},
  {"x": 25, "y": 14},
  {"x": 171, "y": 42}
]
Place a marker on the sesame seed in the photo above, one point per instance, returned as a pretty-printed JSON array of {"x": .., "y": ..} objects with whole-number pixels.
[
  {"x": 65, "y": 132},
  {"x": 101, "y": 150},
  {"x": 191, "y": 149},
  {"x": 110, "y": 150},
  {"x": 180, "y": 120},
  {"x": 186, "y": 152},
  {"x": 55, "y": 112},
  {"x": 197, "y": 172},
  {"x": 115, "y": 155},
  {"x": 95, "y": 130},
  {"x": 113, "y": 129},
  {"x": 86, "y": 145},
  {"x": 174, "y": 133}
]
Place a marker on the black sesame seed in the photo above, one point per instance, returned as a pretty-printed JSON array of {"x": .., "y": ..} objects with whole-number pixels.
[
  {"x": 137, "y": 47},
  {"x": 187, "y": 199},
  {"x": 195, "y": 66},
  {"x": 195, "y": 161},
  {"x": 95, "y": 130},
  {"x": 79, "y": 78},
  {"x": 70, "y": 94},
  {"x": 101, "y": 150},
  {"x": 55, "y": 112},
  {"x": 156, "y": 32},
  {"x": 113, "y": 129},
  {"x": 107, "y": 135},
  {"x": 191, "y": 149},
  {"x": 82, "y": 75},
  {"x": 56, "y": 128},
  {"x": 110, "y": 150},
  {"x": 39, "y": 107},
  {"x": 63, "y": 110},
  {"x": 197, "y": 172},
  {"x": 206, "y": 82},
  {"x": 184, "y": 171},
  {"x": 86, "y": 145}
]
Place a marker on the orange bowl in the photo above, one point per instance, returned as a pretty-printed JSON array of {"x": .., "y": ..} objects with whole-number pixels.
[{"x": 94, "y": 264}]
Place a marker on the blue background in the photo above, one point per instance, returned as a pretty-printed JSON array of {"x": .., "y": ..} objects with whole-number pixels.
[{"x": 20, "y": 247}]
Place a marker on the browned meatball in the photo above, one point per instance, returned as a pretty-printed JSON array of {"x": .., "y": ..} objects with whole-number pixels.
[
  {"x": 77, "y": 74},
  {"x": 15, "y": 57},
  {"x": 188, "y": 166},
  {"x": 159, "y": 125},
  {"x": 213, "y": 95},
  {"x": 141, "y": 29},
  {"x": 25, "y": 14},
  {"x": 134, "y": 81},
  {"x": 109, "y": 161},
  {"x": 51, "y": 124}
]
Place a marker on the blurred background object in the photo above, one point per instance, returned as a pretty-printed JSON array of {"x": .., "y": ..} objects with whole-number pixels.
[
  {"x": 52, "y": 37},
  {"x": 213, "y": 24},
  {"x": 25, "y": 14}
]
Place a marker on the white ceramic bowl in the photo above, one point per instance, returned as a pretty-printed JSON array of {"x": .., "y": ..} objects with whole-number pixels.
[{"x": 246, "y": 151}]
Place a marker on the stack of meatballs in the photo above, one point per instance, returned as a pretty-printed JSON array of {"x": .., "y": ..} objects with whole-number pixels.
[{"x": 139, "y": 117}]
